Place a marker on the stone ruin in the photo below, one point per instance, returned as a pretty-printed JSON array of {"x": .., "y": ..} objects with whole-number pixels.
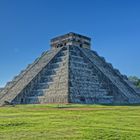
[{"x": 70, "y": 72}]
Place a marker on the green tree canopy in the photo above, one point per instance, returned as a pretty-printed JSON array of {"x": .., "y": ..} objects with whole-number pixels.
[{"x": 135, "y": 80}]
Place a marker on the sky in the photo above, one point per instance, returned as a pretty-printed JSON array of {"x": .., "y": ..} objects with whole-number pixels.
[{"x": 26, "y": 27}]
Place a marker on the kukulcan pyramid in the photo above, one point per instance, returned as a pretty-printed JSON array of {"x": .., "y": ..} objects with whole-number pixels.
[{"x": 70, "y": 72}]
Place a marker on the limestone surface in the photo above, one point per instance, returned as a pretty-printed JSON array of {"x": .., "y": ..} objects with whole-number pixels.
[{"x": 70, "y": 73}]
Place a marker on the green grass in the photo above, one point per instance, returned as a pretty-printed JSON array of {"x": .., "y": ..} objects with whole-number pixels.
[{"x": 70, "y": 122}]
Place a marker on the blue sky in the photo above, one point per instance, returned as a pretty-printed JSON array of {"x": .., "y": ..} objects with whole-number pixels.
[{"x": 26, "y": 27}]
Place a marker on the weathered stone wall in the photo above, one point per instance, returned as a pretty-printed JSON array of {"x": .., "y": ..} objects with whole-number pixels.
[
  {"x": 50, "y": 85},
  {"x": 15, "y": 87},
  {"x": 114, "y": 76},
  {"x": 86, "y": 82}
]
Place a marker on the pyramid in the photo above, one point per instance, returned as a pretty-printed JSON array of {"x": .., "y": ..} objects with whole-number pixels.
[{"x": 70, "y": 72}]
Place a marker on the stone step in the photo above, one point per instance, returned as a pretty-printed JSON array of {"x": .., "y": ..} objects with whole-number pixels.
[
  {"x": 63, "y": 53},
  {"x": 60, "y": 59},
  {"x": 79, "y": 65},
  {"x": 44, "y": 85},
  {"x": 49, "y": 86},
  {"x": 84, "y": 82},
  {"x": 76, "y": 58},
  {"x": 57, "y": 65},
  {"x": 88, "y": 92},
  {"x": 54, "y": 70},
  {"x": 47, "y": 78},
  {"x": 41, "y": 92},
  {"x": 49, "y": 99},
  {"x": 54, "y": 78}
]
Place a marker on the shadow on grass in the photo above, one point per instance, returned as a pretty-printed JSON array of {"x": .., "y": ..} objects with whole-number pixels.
[{"x": 90, "y": 105}]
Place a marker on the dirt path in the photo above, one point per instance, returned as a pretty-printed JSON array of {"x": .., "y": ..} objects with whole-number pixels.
[{"x": 74, "y": 108}]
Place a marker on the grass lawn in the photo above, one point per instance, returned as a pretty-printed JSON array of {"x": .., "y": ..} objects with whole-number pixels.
[{"x": 70, "y": 122}]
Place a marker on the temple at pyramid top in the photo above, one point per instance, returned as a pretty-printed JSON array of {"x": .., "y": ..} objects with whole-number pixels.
[{"x": 71, "y": 38}]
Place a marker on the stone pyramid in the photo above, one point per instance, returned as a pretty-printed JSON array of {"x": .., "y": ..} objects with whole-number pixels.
[{"x": 70, "y": 72}]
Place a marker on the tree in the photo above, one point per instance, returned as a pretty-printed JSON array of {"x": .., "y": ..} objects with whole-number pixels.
[
  {"x": 138, "y": 83},
  {"x": 135, "y": 80}
]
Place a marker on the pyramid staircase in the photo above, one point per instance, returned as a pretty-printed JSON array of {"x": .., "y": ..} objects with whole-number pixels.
[
  {"x": 52, "y": 83},
  {"x": 114, "y": 76},
  {"x": 70, "y": 73},
  {"x": 27, "y": 78}
]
